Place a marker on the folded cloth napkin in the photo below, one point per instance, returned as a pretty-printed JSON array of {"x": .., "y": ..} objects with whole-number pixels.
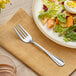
[{"x": 30, "y": 54}]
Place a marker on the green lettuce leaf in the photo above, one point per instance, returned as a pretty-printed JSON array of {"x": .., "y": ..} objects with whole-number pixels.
[
  {"x": 59, "y": 29},
  {"x": 71, "y": 33},
  {"x": 49, "y": 13},
  {"x": 61, "y": 18}
]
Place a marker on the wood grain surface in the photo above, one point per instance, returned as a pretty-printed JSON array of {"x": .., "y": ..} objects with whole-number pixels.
[{"x": 6, "y": 14}]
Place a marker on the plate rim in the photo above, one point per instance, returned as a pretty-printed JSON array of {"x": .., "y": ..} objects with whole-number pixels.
[{"x": 40, "y": 28}]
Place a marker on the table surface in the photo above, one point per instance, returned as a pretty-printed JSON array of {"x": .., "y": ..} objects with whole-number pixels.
[{"x": 6, "y": 14}]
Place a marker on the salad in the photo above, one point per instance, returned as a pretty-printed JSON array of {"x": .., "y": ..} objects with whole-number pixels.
[{"x": 55, "y": 14}]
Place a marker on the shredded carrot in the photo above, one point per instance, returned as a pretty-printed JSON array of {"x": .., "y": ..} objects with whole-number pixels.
[
  {"x": 70, "y": 21},
  {"x": 57, "y": 21}
]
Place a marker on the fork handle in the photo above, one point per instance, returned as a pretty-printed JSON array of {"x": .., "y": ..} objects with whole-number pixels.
[{"x": 57, "y": 60}]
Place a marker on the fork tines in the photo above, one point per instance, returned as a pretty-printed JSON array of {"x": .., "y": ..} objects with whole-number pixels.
[{"x": 22, "y": 33}]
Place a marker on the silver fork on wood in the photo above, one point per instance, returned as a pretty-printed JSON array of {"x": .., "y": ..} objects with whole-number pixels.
[{"x": 26, "y": 37}]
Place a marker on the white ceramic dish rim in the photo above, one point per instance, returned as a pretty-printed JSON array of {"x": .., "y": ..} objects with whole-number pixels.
[{"x": 45, "y": 33}]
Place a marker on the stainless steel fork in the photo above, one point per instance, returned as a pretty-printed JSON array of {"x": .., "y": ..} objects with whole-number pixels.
[{"x": 26, "y": 37}]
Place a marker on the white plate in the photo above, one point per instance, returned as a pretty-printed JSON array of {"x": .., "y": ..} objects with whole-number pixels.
[{"x": 36, "y": 7}]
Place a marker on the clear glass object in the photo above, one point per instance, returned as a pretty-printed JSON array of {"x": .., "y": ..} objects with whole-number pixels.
[{"x": 7, "y": 66}]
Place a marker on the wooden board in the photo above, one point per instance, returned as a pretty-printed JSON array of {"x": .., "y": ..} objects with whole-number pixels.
[{"x": 4, "y": 17}]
